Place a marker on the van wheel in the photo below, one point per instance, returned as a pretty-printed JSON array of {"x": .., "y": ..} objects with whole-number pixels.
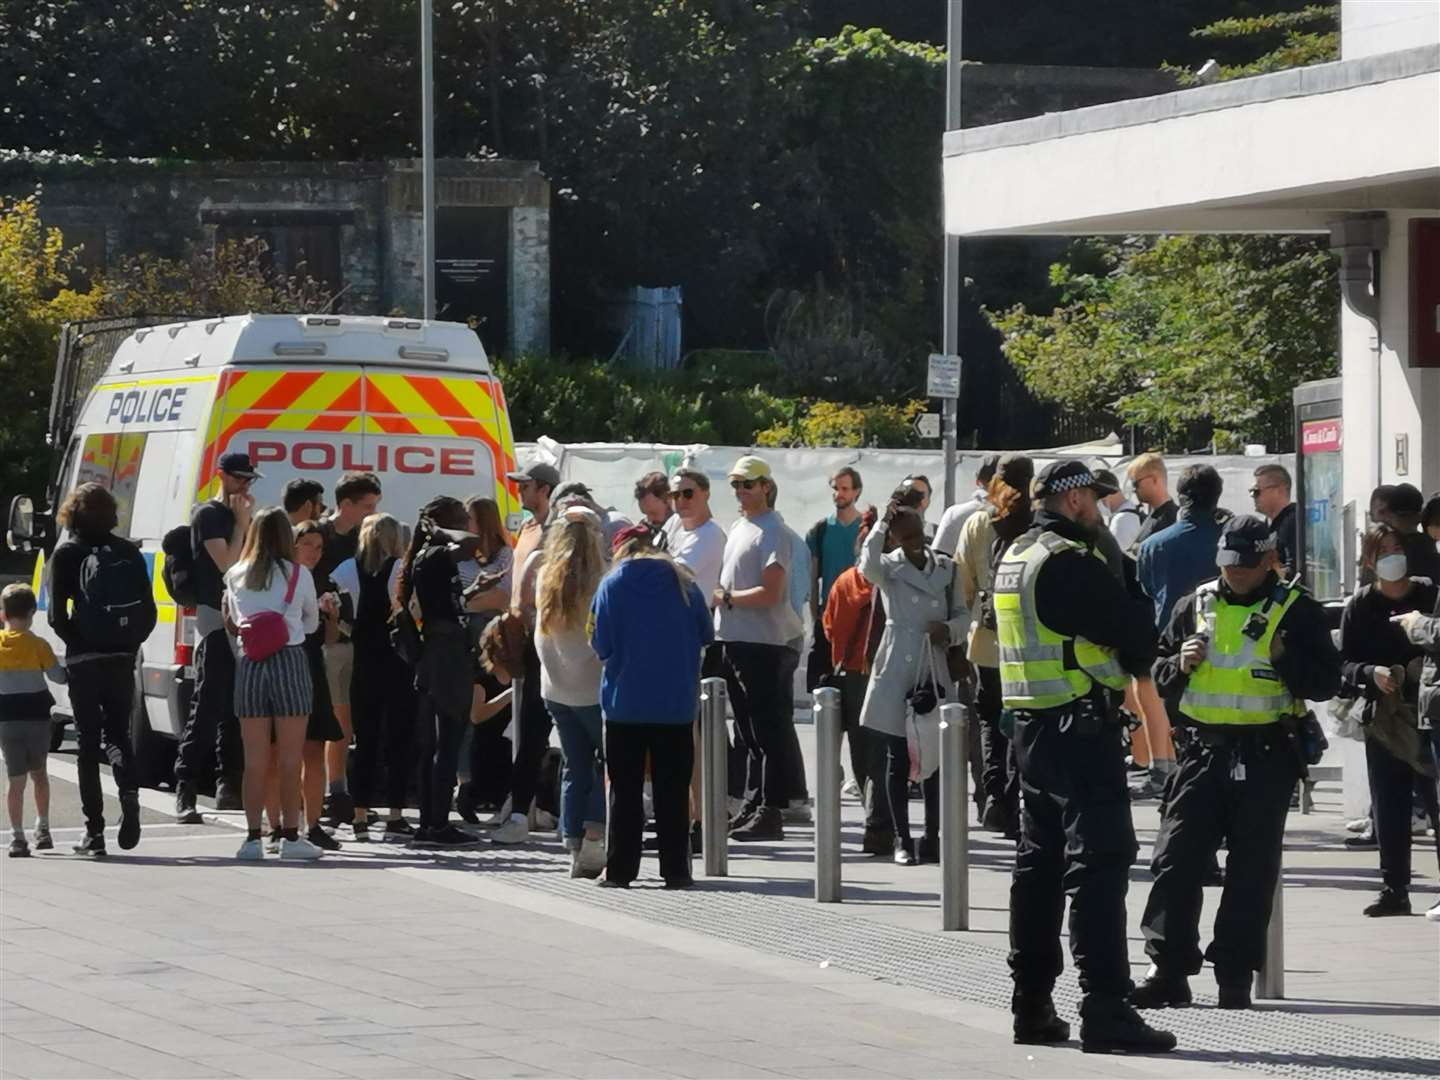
[
  {"x": 154, "y": 754},
  {"x": 57, "y": 733}
]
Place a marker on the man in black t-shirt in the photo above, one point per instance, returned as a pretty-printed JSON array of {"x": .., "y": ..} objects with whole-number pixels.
[
  {"x": 357, "y": 495},
  {"x": 210, "y": 744}
]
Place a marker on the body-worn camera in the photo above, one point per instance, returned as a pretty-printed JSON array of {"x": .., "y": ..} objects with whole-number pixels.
[{"x": 1255, "y": 626}]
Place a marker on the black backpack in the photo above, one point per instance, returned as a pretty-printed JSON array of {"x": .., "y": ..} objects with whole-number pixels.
[
  {"x": 112, "y": 608},
  {"x": 177, "y": 569}
]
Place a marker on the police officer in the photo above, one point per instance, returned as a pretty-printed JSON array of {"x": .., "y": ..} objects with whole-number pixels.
[
  {"x": 1238, "y": 659},
  {"x": 1070, "y": 640}
]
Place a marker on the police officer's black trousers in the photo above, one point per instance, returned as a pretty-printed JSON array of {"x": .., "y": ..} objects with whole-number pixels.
[
  {"x": 1077, "y": 839},
  {"x": 1236, "y": 790}
]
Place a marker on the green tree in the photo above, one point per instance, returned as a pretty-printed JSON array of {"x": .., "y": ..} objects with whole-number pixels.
[
  {"x": 36, "y": 297},
  {"x": 1193, "y": 336},
  {"x": 1202, "y": 334}
]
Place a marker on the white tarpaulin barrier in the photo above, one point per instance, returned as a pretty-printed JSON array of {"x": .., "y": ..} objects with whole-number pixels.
[{"x": 611, "y": 469}]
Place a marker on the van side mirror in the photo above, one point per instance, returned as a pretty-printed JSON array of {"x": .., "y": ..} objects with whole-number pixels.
[{"x": 26, "y": 528}]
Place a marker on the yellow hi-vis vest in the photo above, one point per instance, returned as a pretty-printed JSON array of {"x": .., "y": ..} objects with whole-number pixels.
[
  {"x": 1040, "y": 668},
  {"x": 1237, "y": 683}
]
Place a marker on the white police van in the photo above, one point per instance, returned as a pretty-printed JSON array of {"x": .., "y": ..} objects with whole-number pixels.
[{"x": 306, "y": 396}]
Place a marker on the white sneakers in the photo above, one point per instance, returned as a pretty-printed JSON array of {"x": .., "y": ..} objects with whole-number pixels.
[
  {"x": 500, "y": 817},
  {"x": 514, "y": 831},
  {"x": 251, "y": 851},
  {"x": 851, "y": 789},
  {"x": 1434, "y": 913},
  {"x": 299, "y": 850},
  {"x": 591, "y": 857},
  {"x": 543, "y": 820},
  {"x": 1359, "y": 824}
]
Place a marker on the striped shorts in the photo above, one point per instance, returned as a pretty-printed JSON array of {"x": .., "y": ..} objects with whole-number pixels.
[{"x": 279, "y": 685}]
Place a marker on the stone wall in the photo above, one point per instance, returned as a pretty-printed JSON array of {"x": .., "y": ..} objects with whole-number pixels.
[{"x": 356, "y": 224}]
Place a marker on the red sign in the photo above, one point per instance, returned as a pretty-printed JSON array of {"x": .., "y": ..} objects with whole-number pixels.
[{"x": 1320, "y": 436}]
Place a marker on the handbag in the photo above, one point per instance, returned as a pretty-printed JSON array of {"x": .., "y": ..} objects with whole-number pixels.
[
  {"x": 922, "y": 719},
  {"x": 836, "y": 678},
  {"x": 265, "y": 633},
  {"x": 405, "y": 635}
]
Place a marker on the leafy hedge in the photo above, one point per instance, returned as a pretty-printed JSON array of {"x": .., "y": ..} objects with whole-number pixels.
[{"x": 722, "y": 403}]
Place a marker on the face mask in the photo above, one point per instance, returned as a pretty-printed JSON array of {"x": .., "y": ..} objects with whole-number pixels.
[{"x": 1390, "y": 567}]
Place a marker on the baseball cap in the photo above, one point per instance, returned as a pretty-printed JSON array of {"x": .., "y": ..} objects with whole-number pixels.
[
  {"x": 625, "y": 535},
  {"x": 1244, "y": 541},
  {"x": 1015, "y": 471},
  {"x": 749, "y": 467},
  {"x": 1061, "y": 476},
  {"x": 238, "y": 465},
  {"x": 539, "y": 472}
]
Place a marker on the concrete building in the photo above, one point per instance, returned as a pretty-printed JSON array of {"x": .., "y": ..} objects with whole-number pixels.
[
  {"x": 354, "y": 226},
  {"x": 1349, "y": 149}
]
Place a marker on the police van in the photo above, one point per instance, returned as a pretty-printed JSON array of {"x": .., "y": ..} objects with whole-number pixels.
[{"x": 306, "y": 396}]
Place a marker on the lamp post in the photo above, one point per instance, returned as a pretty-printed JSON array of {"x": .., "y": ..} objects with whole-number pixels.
[
  {"x": 427, "y": 152},
  {"x": 951, "y": 337}
]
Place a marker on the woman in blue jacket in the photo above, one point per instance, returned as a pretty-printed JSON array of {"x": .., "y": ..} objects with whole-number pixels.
[{"x": 648, "y": 623}]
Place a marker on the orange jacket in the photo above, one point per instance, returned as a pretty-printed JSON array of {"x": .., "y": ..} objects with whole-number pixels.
[{"x": 847, "y": 616}]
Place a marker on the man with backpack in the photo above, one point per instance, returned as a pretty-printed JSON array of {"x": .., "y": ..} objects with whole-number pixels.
[
  {"x": 212, "y": 733},
  {"x": 102, "y": 606}
]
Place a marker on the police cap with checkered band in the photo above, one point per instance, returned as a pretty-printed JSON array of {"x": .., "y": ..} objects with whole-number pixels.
[
  {"x": 1061, "y": 476},
  {"x": 1245, "y": 541}
]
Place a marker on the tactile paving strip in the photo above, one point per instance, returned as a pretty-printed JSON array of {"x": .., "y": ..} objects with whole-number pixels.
[{"x": 781, "y": 919}]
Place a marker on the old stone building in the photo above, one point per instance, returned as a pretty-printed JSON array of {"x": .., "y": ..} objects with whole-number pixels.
[{"x": 356, "y": 226}]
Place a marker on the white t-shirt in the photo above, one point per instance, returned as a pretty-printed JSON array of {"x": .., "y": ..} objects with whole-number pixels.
[
  {"x": 569, "y": 669},
  {"x": 752, "y": 545},
  {"x": 302, "y": 614},
  {"x": 1125, "y": 524},
  {"x": 947, "y": 537},
  {"x": 700, "y": 550}
]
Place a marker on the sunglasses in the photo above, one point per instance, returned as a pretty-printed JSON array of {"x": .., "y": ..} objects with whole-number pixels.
[
  {"x": 736, "y": 485},
  {"x": 684, "y": 493}
]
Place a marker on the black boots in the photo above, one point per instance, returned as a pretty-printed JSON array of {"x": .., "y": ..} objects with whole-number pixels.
[
  {"x": 1036, "y": 1021},
  {"x": 1112, "y": 1026},
  {"x": 1162, "y": 992},
  {"x": 1387, "y": 903},
  {"x": 185, "y": 812}
]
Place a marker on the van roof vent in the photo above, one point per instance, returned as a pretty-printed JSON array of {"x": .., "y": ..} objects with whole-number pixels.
[
  {"x": 300, "y": 348},
  {"x": 411, "y": 352}
]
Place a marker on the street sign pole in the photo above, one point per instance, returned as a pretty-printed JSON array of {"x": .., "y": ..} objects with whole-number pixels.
[
  {"x": 427, "y": 151},
  {"x": 951, "y": 342}
]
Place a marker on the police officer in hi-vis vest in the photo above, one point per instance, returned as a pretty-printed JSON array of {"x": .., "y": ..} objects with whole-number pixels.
[
  {"x": 1070, "y": 641},
  {"x": 1238, "y": 660}
]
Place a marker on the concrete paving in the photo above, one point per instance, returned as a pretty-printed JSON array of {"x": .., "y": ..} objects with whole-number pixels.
[{"x": 173, "y": 960}]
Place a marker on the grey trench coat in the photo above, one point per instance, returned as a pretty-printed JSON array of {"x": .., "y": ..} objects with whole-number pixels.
[{"x": 913, "y": 599}]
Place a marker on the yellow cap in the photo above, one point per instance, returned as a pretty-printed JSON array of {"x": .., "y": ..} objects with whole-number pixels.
[{"x": 749, "y": 467}]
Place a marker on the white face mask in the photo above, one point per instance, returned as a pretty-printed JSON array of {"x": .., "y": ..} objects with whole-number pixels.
[{"x": 1391, "y": 567}]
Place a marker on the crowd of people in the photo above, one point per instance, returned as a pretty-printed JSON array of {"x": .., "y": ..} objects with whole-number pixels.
[{"x": 1114, "y": 644}]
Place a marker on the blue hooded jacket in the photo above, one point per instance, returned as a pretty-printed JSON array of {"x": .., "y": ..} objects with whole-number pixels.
[{"x": 649, "y": 640}]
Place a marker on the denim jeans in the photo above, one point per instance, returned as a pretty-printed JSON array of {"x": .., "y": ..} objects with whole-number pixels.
[{"x": 582, "y": 787}]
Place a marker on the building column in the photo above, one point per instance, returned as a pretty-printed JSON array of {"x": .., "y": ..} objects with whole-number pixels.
[{"x": 529, "y": 281}]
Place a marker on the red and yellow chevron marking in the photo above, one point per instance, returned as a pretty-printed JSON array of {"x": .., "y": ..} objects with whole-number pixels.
[{"x": 347, "y": 401}]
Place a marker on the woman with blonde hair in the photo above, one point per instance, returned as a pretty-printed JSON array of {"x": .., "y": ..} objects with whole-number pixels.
[
  {"x": 383, "y": 700},
  {"x": 574, "y": 563},
  {"x": 270, "y": 601},
  {"x": 648, "y": 622}
]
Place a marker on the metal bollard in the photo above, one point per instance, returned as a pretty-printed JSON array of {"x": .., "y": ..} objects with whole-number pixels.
[
  {"x": 827, "y": 795},
  {"x": 1270, "y": 979},
  {"x": 714, "y": 777},
  {"x": 954, "y": 822}
]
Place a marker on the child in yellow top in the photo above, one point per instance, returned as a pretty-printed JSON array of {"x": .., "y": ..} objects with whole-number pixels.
[{"x": 25, "y": 663}]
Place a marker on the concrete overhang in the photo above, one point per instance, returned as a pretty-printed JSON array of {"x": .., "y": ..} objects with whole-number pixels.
[{"x": 1288, "y": 152}]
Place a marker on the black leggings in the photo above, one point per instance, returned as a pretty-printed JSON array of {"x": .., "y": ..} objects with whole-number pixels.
[
  {"x": 383, "y": 712},
  {"x": 1392, "y": 786},
  {"x": 532, "y": 735},
  {"x": 890, "y": 772}
]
